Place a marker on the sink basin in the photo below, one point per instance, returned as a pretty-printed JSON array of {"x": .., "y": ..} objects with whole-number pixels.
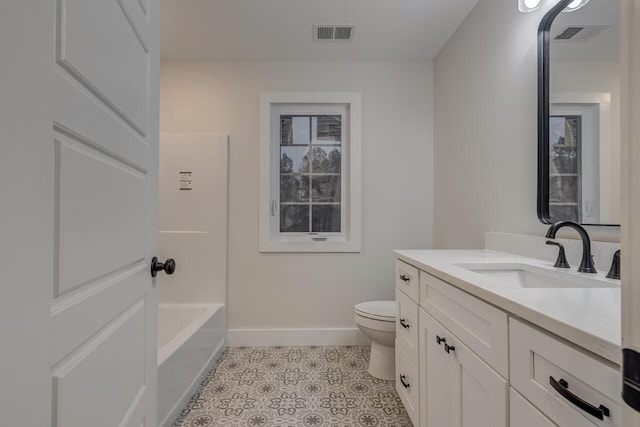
[{"x": 516, "y": 275}]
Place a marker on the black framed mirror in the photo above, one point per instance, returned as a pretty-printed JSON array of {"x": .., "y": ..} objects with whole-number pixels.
[{"x": 579, "y": 113}]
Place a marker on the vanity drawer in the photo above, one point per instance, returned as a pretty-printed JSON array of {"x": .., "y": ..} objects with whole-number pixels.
[
  {"x": 407, "y": 384},
  {"x": 407, "y": 325},
  {"x": 538, "y": 359},
  {"x": 407, "y": 279},
  {"x": 482, "y": 327}
]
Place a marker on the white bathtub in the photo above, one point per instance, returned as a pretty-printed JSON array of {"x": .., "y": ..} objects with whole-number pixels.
[{"x": 190, "y": 338}]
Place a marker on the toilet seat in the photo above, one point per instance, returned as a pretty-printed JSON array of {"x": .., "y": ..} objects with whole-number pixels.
[{"x": 382, "y": 311}]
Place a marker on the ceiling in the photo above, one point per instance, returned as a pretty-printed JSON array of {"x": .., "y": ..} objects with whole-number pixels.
[
  {"x": 282, "y": 29},
  {"x": 604, "y": 46}
]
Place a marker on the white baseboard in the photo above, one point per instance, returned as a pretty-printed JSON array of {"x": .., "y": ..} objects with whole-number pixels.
[{"x": 294, "y": 337}]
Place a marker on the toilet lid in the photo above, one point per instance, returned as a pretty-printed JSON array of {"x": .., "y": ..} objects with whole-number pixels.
[{"x": 381, "y": 310}]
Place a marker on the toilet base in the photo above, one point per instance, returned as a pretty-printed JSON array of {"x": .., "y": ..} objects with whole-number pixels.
[{"x": 382, "y": 361}]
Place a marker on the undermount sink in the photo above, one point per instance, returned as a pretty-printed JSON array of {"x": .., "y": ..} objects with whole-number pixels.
[{"x": 517, "y": 275}]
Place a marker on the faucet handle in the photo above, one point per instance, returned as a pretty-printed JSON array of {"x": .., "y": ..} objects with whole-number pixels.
[
  {"x": 614, "y": 271},
  {"x": 561, "y": 261}
]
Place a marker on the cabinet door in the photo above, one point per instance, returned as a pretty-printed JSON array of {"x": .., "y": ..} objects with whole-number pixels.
[
  {"x": 478, "y": 394},
  {"x": 524, "y": 414},
  {"x": 435, "y": 379}
]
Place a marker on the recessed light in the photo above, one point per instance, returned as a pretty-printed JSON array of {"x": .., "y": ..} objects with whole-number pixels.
[
  {"x": 529, "y": 5},
  {"x": 575, "y": 5}
]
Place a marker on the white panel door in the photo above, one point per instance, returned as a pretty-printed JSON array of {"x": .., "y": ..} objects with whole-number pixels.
[
  {"x": 86, "y": 73},
  {"x": 630, "y": 230}
]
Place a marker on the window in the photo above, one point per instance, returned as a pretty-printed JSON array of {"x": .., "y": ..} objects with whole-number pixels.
[
  {"x": 310, "y": 172},
  {"x": 565, "y": 162}
]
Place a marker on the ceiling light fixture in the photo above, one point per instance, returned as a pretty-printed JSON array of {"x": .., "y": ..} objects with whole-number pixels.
[
  {"x": 529, "y": 5},
  {"x": 575, "y": 5}
]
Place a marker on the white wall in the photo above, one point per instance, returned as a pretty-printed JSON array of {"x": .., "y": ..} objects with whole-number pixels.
[
  {"x": 275, "y": 291},
  {"x": 485, "y": 150}
]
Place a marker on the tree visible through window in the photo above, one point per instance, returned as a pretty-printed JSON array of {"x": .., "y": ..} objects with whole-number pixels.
[{"x": 310, "y": 173}]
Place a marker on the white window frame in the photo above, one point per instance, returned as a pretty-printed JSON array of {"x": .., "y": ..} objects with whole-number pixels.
[{"x": 270, "y": 238}]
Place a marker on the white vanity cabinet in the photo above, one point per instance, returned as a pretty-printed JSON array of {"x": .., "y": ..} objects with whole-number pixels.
[
  {"x": 457, "y": 388},
  {"x": 451, "y": 354},
  {"x": 463, "y": 362}
]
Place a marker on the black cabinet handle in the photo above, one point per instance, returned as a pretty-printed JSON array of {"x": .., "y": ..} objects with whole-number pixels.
[
  {"x": 404, "y": 278},
  {"x": 449, "y": 348},
  {"x": 562, "y": 387},
  {"x": 405, "y": 385},
  {"x": 440, "y": 340},
  {"x": 169, "y": 266},
  {"x": 404, "y": 324}
]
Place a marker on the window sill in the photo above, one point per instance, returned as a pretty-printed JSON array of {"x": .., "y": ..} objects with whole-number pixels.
[{"x": 319, "y": 247}]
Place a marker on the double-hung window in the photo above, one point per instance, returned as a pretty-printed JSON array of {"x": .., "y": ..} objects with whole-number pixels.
[{"x": 310, "y": 172}]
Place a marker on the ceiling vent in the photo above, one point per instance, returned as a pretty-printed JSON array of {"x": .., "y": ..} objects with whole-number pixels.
[
  {"x": 333, "y": 33},
  {"x": 579, "y": 33}
]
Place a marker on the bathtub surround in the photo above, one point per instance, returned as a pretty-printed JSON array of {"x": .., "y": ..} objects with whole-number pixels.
[
  {"x": 193, "y": 217},
  {"x": 193, "y": 230},
  {"x": 294, "y": 386},
  {"x": 311, "y": 296}
]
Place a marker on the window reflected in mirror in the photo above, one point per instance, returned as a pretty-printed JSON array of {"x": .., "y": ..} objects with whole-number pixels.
[{"x": 564, "y": 168}]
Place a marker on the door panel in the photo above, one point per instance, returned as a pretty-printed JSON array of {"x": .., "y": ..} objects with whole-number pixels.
[
  {"x": 109, "y": 368},
  {"x": 94, "y": 37},
  {"x": 93, "y": 188}
]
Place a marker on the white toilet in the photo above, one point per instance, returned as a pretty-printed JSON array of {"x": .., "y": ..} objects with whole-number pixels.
[{"x": 377, "y": 320}]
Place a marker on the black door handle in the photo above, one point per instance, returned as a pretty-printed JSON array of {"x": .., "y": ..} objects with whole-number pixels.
[
  {"x": 169, "y": 266},
  {"x": 440, "y": 340},
  {"x": 404, "y": 324},
  {"x": 562, "y": 387},
  {"x": 405, "y": 385},
  {"x": 404, "y": 278},
  {"x": 449, "y": 348}
]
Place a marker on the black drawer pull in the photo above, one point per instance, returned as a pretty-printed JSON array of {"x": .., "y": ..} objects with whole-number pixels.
[
  {"x": 562, "y": 387},
  {"x": 440, "y": 340},
  {"x": 449, "y": 348},
  {"x": 405, "y": 385},
  {"x": 404, "y": 278},
  {"x": 404, "y": 324}
]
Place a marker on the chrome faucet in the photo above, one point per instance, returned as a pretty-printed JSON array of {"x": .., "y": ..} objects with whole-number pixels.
[{"x": 586, "y": 265}]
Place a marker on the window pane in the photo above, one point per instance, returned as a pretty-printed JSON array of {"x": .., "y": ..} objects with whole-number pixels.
[
  {"x": 326, "y": 219},
  {"x": 569, "y": 212},
  {"x": 286, "y": 138},
  {"x": 327, "y": 129},
  {"x": 294, "y": 188},
  {"x": 563, "y": 189},
  {"x": 294, "y": 218},
  {"x": 326, "y": 159},
  {"x": 295, "y": 130},
  {"x": 294, "y": 159},
  {"x": 301, "y": 131},
  {"x": 325, "y": 189}
]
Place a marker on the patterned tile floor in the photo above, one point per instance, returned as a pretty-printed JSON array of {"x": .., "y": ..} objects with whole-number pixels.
[{"x": 294, "y": 386}]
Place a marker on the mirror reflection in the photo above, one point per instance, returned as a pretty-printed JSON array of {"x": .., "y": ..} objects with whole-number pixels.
[{"x": 583, "y": 176}]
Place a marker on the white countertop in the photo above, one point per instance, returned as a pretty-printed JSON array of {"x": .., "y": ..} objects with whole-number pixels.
[{"x": 587, "y": 317}]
